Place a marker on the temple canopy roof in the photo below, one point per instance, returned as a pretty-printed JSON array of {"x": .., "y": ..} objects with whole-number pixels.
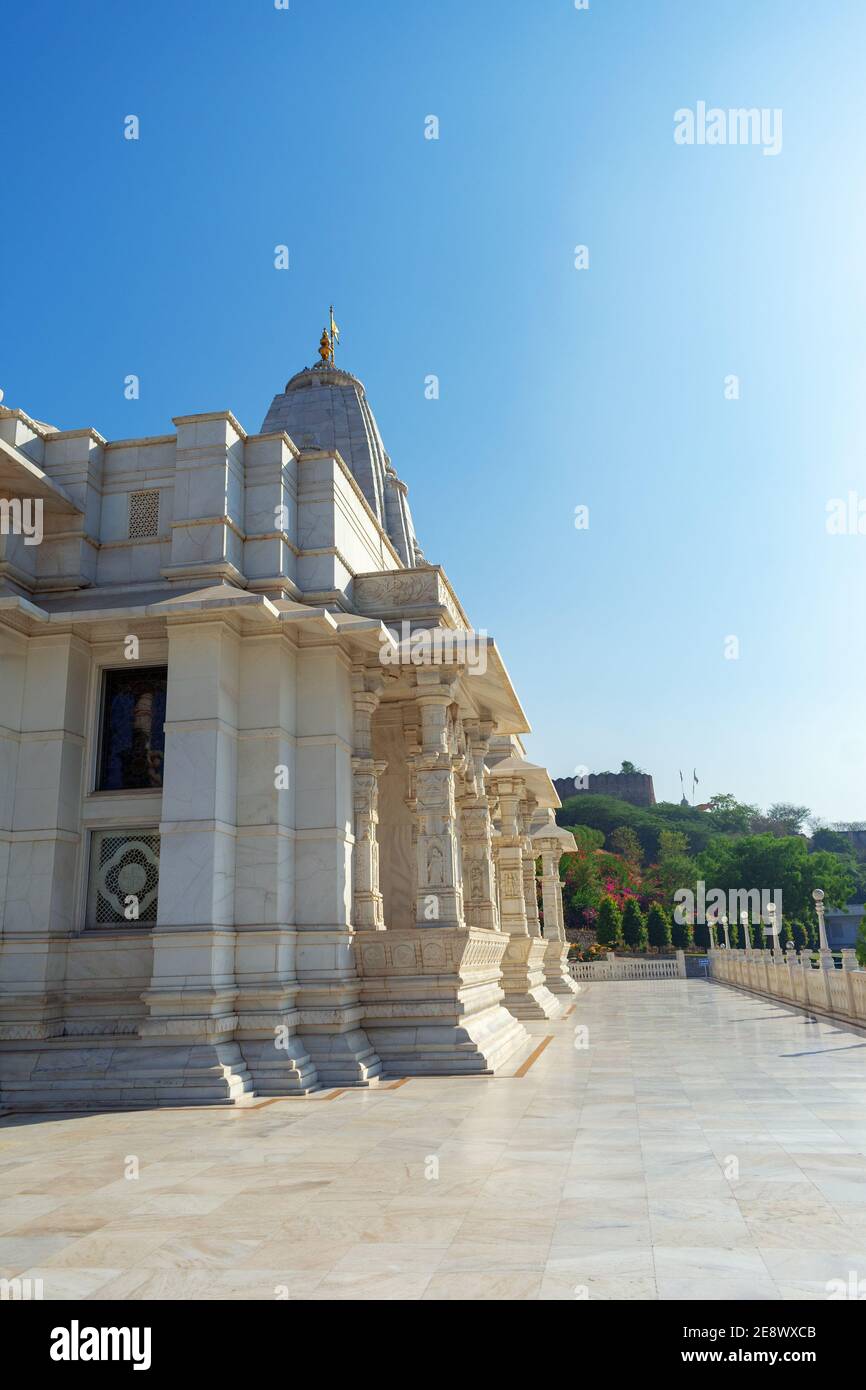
[
  {"x": 21, "y": 477},
  {"x": 325, "y": 407}
]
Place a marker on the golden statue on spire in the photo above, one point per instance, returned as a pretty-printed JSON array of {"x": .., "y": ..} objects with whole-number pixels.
[{"x": 329, "y": 340}]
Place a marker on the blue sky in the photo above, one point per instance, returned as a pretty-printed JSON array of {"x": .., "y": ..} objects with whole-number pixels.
[{"x": 455, "y": 257}]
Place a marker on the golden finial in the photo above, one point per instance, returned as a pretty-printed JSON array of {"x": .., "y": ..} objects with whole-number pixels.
[{"x": 326, "y": 352}]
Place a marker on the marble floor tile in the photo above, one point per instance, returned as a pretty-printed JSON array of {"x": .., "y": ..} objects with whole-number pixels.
[
  {"x": 494, "y": 1285},
  {"x": 600, "y": 1174},
  {"x": 563, "y": 1289},
  {"x": 69, "y": 1283}
]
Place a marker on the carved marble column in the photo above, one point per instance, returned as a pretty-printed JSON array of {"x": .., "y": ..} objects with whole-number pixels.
[
  {"x": 433, "y": 1000},
  {"x": 493, "y": 809},
  {"x": 440, "y": 893},
  {"x": 479, "y": 877},
  {"x": 509, "y": 859},
  {"x": 551, "y": 843},
  {"x": 526, "y": 994},
  {"x": 530, "y": 894},
  {"x": 551, "y": 895},
  {"x": 413, "y": 748},
  {"x": 367, "y": 913}
]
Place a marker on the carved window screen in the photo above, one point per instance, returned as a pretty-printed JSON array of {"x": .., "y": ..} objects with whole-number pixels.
[
  {"x": 124, "y": 878},
  {"x": 144, "y": 515}
]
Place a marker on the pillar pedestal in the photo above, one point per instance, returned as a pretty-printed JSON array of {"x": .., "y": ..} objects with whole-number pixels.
[
  {"x": 433, "y": 1001},
  {"x": 523, "y": 979},
  {"x": 556, "y": 975}
]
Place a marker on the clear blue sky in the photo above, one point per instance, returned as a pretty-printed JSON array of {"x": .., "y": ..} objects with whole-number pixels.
[{"x": 455, "y": 257}]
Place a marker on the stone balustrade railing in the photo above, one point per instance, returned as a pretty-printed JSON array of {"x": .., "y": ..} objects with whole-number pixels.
[
  {"x": 614, "y": 969},
  {"x": 827, "y": 983}
]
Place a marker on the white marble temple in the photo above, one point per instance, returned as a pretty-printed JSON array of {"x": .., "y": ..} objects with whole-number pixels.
[{"x": 337, "y": 844}]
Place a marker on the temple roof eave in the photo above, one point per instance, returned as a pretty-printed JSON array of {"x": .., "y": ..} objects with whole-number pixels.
[
  {"x": 246, "y": 612},
  {"x": 20, "y": 477},
  {"x": 534, "y": 777}
]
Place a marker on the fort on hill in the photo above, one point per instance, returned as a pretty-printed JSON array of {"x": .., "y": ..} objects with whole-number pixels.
[{"x": 632, "y": 786}]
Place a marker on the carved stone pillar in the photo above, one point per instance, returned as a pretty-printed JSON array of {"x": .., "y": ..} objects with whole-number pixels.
[
  {"x": 367, "y": 899},
  {"x": 526, "y": 995},
  {"x": 493, "y": 808},
  {"x": 440, "y": 892},
  {"x": 479, "y": 875},
  {"x": 509, "y": 860},
  {"x": 433, "y": 1000},
  {"x": 551, "y": 843},
  {"x": 367, "y": 914},
  {"x": 413, "y": 748},
  {"x": 530, "y": 894}
]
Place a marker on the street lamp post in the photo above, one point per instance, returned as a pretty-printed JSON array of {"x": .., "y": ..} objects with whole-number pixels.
[
  {"x": 712, "y": 918},
  {"x": 747, "y": 933},
  {"x": 725, "y": 930},
  {"x": 824, "y": 948},
  {"x": 774, "y": 928}
]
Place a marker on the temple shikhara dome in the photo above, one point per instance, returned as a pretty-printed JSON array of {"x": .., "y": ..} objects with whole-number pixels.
[
  {"x": 267, "y": 824},
  {"x": 328, "y": 408}
]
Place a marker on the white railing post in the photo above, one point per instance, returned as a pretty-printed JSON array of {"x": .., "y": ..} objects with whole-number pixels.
[{"x": 849, "y": 965}]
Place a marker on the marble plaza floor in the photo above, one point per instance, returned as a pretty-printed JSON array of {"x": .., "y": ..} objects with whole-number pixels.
[{"x": 706, "y": 1144}]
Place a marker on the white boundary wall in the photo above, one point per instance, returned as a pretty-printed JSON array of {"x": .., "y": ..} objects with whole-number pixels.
[
  {"x": 808, "y": 980},
  {"x": 614, "y": 969}
]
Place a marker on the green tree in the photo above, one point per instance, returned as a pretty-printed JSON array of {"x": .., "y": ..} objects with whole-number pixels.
[
  {"x": 730, "y": 815},
  {"x": 702, "y": 936},
  {"x": 587, "y": 837},
  {"x": 658, "y": 928},
  {"x": 787, "y": 819},
  {"x": 608, "y": 928},
  {"x": 661, "y": 881},
  {"x": 832, "y": 840},
  {"x": 673, "y": 844},
  {"x": 624, "y": 841},
  {"x": 800, "y": 935},
  {"x": 634, "y": 930},
  {"x": 682, "y": 936},
  {"x": 780, "y": 864},
  {"x": 606, "y": 813},
  {"x": 860, "y": 947}
]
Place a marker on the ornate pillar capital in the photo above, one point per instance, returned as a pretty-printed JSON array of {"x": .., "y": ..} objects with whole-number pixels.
[{"x": 367, "y": 687}]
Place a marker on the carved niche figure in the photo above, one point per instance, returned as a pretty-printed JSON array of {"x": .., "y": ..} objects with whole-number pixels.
[
  {"x": 435, "y": 866},
  {"x": 476, "y": 881}
]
